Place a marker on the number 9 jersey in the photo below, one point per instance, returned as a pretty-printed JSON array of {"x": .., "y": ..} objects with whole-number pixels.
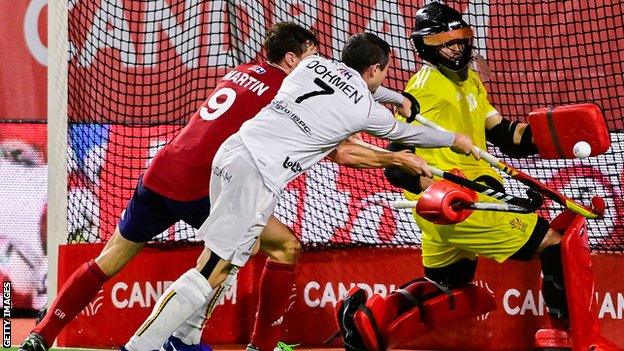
[{"x": 181, "y": 169}]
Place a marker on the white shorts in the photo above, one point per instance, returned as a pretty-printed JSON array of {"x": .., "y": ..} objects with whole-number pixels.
[{"x": 240, "y": 204}]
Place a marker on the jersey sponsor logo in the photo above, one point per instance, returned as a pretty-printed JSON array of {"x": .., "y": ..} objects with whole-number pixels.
[
  {"x": 257, "y": 69},
  {"x": 338, "y": 80},
  {"x": 282, "y": 107},
  {"x": 294, "y": 166},
  {"x": 222, "y": 173},
  {"x": 345, "y": 72}
]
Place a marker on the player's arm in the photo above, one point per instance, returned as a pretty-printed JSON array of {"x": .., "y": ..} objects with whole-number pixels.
[
  {"x": 357, "y": 156},
  {"x": 381, "y": 123},
  {"x": 400, "y": 178},
  {"x": 403, "y": 102},
  {"x": 514, "y": 139}
]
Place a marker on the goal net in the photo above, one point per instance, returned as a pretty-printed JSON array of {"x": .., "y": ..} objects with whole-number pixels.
[{"x": 138, "y": 70}]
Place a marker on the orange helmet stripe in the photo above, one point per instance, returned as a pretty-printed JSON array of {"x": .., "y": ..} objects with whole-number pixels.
[{"x": 445, "y": 37}]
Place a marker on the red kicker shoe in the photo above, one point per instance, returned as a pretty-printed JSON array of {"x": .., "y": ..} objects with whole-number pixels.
[{"x": 553, "y": 339}]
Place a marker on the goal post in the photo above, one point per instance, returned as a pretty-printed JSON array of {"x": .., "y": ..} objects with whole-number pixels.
[{"x": 58, "y": 46}]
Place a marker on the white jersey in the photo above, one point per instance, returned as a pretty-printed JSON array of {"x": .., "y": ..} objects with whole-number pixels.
[{"x": 321, "y": 103}]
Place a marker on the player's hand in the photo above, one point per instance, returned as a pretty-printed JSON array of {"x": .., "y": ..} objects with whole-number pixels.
[
  {"x": 412, "y": 163},
  {"x": 405, "y": 109},
  {"x": 464, "y": 145}
]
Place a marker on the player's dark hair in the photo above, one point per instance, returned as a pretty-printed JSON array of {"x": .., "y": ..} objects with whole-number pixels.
[
  {"x": 363, "y": 50},
  {"x": 287, "y": 37}
]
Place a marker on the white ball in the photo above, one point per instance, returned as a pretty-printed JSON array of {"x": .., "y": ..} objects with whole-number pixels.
[{"x": 581, "y": 149}]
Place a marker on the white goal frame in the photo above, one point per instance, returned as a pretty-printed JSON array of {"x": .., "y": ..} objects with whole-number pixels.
[{"x": 57, "y": 136}]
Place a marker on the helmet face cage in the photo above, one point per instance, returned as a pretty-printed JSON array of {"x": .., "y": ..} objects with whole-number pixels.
[{"x": 439, "y": 26}]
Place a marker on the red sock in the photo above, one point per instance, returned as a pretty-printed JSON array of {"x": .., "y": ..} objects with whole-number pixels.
[
  {"x": 275, "y": 289},
  {"x": 78, "y": 291}
]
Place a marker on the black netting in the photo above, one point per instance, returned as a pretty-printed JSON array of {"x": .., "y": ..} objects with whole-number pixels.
[{"x": 139, "y": 69}]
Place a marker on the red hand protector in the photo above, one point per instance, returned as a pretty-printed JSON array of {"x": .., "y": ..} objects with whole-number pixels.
[{"x": 445, "y": 202}]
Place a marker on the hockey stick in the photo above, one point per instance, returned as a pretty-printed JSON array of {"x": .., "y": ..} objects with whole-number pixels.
[
  {"x": 510, "y": 203},
  {"x": 598, "y": 203},
  {"x": 480, "y": 206}
]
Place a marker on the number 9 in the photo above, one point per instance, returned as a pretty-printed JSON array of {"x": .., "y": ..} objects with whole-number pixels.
[{"x": 218, "y": 107}]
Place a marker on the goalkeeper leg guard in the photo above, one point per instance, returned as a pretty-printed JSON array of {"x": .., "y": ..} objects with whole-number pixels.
[
  {"x": 581, "y": 307},
  {"x": 438, "y": 309},
  {"x": 179, "y": 301},
  {"x": 407, "y": 313},
  {"x": 346, "y": 308}
]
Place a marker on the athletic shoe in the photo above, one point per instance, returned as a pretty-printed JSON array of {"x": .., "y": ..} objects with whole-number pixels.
[
  {"x": 553, "y": 339},
  {"x": 33, "y": 342},
  {"x": 280, "y": 347},
  {"x": 175, "y": 344},
  {"x": 285, "y": 347}
]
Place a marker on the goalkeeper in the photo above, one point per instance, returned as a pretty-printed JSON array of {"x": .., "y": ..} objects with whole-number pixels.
[{"x": 453, "y": 96}]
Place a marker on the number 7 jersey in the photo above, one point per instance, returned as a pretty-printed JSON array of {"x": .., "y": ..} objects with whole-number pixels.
[
  {"x": 181, "y": 169},
  {"x": 320, "y": 104}
]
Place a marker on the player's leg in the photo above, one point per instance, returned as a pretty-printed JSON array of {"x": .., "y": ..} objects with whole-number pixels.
[
  {"x": 83, "y": 285},
  {"x": 546, "y": 243},
  {"x": 241, "y": 206},
  {"x": 188, "y": 294},
  {"x": 146, "y": 215},
  {"x": 276, "y": 283},
  {"x": 188, "y": 335}
]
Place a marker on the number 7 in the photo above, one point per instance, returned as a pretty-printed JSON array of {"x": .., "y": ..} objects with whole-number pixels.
[{"x": 326, "y": 90}]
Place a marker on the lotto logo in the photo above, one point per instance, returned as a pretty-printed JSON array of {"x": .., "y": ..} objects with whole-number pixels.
[{"x": 294, "y": 166}]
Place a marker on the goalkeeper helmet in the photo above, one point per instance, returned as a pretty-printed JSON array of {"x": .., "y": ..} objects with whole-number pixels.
[{"x": 443, "y": 39}]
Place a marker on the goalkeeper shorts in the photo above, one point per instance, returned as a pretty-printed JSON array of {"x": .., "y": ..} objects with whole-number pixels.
[{"x": 496, "y": 235}]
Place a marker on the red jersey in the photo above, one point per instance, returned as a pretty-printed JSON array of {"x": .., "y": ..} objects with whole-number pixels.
[{"x": 181, "y": 169}]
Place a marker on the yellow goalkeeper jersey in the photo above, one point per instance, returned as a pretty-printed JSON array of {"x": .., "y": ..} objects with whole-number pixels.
[{"x": 458, "y": 107}]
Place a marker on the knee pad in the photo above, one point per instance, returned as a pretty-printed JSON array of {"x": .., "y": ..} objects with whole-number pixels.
[{"x": 407, "y": 313}]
